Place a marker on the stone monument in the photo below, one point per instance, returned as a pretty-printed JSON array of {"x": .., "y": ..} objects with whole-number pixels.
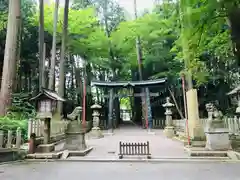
[
  {"x": 96, "y": 131},
  {"x": 217, "y": 136},
  {"x": 75, "y": 133},
  {"x": 169, "y": 129}
]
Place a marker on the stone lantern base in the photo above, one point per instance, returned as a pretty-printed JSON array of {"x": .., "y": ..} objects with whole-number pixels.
[
  {"x": 169, "y": 131},
  {"x": 96, "y": 133}
]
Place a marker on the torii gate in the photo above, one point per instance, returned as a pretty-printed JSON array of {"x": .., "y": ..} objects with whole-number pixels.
[{"x": 131, "y": 84}]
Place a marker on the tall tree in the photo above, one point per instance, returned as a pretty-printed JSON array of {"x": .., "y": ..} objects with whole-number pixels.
[
  {"x": 41, "y": 45},
  {"x": 62, "y": 56},
  {"x": 10, "y": 55},
  {"x": 138, "y": 46},
  {"x": 51, "y": 84}
]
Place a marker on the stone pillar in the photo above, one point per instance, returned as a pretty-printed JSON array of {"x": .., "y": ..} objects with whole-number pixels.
[
  {"x": 46, "y": 138},
  {"x": 9, "y": 140},
  {"x": 169, "y": 129},
  {"x": 149, "y": 111},
  {"x": 18, "y": 138},
  {"x": 217, "y": 136},
  {"x": 96, "y": 131},
  {"x": 110, "y": 112},
  {"x": 195, "y": 127},
  {"x": 46, "y": 146}
]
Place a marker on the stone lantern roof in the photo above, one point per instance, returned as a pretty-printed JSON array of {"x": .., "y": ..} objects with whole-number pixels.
[{"x": 96, "y": 106}]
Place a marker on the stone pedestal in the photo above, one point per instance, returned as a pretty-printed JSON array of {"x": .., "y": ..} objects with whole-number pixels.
[
  {"x": 218, "y": 141},
  {"x": 75, "y": 137},
  {"x": 46, "y": 147},
  {"x": 47, "y": 128},
  {"x": 217, "y": 136},
  {"x": 150, "y": 131},
  {"x": 96, "y": 131},
  {"x": 169, "y": 129},
  {"x": 195, "y": 128}
]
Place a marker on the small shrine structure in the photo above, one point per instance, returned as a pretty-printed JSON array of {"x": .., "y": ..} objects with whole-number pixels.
[{"x": 46, "y": 105}]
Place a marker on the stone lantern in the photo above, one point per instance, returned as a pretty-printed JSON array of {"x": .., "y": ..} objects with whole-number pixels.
[
  {"x": 96, "y": 131},
  {"x": 217, "y": 136},
  {"x": 169, "y": 129},
  {"x": 46, "y": 104}
]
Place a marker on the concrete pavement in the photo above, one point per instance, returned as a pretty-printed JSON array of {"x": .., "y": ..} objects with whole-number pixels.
[
  {"x": 119, "y": 171},
  {"x": 108, "y": 147}
]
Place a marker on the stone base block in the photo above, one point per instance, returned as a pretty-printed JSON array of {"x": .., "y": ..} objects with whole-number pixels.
[
  {"x": 169, "y": 131},
  {"x": 109, "y": 133},
  {"x": 45, "y": 148},
  {"x": 151, "y": 132},
  {"x": 52, "y": 155},
  {"x": 67, "y": 153},
  {"x": 195, "y": 143},
  {"x": 218, "y": 141},
  {"x": 202, "y": 152},
  {"x": 96, "y": 133},
  {"x": 75, "y": 142}
]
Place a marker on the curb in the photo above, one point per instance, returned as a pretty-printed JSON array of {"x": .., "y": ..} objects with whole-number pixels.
[
  {"x": 163, "y": 160},
  {"x": 12, "y": 162}
]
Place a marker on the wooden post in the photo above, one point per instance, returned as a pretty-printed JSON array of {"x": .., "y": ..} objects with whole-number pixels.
[
  {"x": 29, "y": 128},
  {"x": 18, "y": 137},
  {"x": 9, "y": 141},
  {"x": 110, "y": 111},
  {"x": 32, "y": 144},
  {"x": 1, "y": 138},
  {"x": 47, "y": 127}
]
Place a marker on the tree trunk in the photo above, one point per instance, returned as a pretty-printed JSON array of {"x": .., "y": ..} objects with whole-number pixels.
[
  {"x": 41, "y": 43},
  {"x": 17, "y": 78},
  {"x": 138, "y": 47},
  {"x": 44, "y": 78},
  {"x": 186, "y": 23},
  {"x": 53, "y": 57},
  {"x": 9, "y": 66},
  {"x": 140, "y": 71},
  {"x": 62, "y": 58}
]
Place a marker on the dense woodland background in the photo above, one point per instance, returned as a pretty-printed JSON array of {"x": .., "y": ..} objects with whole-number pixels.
[{"x": 197, "y": 38}]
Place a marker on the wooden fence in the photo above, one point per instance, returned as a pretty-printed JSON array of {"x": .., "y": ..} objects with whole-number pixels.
[
  {"x": 10, "y": 139},
  {"x": 134, "y": 149},
  {"x": 159, "y": 123},
  {"x": 231, "y": 123},
  {"x": 37, "y": 127}
]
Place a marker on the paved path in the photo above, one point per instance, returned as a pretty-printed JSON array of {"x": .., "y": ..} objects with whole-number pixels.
[
  {"x": 160, "y": 146},
  {"x": 119, "y": 171}
]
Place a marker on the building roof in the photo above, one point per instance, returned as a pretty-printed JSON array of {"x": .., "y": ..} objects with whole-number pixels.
[
  {"x": 129, "y": 83},
  {"x": 50, "y": 94}
]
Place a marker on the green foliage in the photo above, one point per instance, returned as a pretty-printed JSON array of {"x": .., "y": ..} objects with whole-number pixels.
[
  {"x": 21, "y": 107},
  {"x": 12, "y": 122},
  {"x": 18, "y": 115},
  {"x": 176, "y": 37}
]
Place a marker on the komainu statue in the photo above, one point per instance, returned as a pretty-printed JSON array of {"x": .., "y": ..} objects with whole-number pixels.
[{"x": 75, "y": 114}]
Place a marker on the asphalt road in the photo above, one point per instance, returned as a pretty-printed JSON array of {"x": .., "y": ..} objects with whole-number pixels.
[{"x": 120, "y": 171}]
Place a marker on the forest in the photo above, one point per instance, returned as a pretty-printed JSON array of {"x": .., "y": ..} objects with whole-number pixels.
[{"x": 63, "y": 47}]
